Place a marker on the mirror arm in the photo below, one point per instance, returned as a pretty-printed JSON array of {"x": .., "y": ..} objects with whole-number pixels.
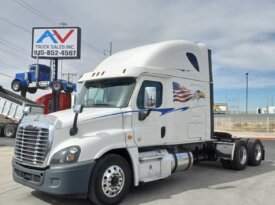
[
  {"x": 143, "y": 115},
  {"x": 74, "y": 129}
]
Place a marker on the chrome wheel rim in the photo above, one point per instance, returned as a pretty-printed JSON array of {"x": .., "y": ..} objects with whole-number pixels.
[
  {"x": 15, "y": 86},
  {"x": 9, "y": 131},
  {"x": 243, "y": 155},
  {"x": 56, "y": 86},
  {"x": 113, "y": 181},
  {"x": 258, "y": 152}
]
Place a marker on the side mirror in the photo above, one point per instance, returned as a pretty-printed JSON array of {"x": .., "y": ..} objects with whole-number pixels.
[
  {"x": 74, "y": 100},
  {"x": 150, "y": 102},
  {"x": 26, "y": 110},
  {"x": 150, "y": 98},
  {"x": 78, "y": 108}
]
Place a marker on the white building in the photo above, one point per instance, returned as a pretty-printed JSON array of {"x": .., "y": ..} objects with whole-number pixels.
[{"x": 266, "y": 110}]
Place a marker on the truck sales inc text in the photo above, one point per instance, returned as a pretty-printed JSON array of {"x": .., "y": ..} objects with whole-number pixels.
[{"x": 55, "y": 46}]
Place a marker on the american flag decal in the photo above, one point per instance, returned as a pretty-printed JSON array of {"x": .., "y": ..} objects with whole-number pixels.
[{"x": 182, "y": 94}]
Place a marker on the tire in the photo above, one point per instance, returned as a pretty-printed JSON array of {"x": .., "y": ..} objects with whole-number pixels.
[
  {"x": 255, "y": 152},
  {"x": 32, "y": 90},
  {"x": 56, "y": 86},
  {"x": 226, "y": 163},
  {"x": 10, "y": 131},
  {"x": 1, "y": 132},
  {"x": 240, "y": 156},
  {"x": 110, "y": 180},
  {"x": 69, "y": 90},
  {"x": 16, "y": 85}
]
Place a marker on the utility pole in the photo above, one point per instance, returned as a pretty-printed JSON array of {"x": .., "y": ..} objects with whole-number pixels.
[
  {"x": 69, "y": 75},
  {"x": 267, "y": 101},
  {"x": 246, "y": 107},
  {"x": 63, "y": 24},
  {"x": 109, "y": 51}
]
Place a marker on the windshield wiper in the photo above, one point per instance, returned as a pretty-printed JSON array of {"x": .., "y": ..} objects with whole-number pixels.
[{"x": 102, "y": 105}]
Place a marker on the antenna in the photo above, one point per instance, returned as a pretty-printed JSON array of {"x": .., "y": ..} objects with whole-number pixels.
[{"x": 110, "y": 51}]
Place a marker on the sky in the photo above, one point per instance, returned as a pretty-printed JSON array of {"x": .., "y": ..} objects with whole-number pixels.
[{"x": 241, "y": 35}]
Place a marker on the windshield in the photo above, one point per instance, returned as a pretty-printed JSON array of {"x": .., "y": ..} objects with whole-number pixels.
[{"x": 114, "y": 92}]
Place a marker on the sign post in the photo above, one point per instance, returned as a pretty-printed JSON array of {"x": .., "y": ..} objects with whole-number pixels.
[{"x": 56, "y": 43}]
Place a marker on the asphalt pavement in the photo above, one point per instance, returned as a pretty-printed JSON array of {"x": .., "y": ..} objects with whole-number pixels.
[{"x": 206, "y": 183}]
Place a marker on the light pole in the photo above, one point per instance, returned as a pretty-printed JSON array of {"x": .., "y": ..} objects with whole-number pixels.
[
  {"x": 246, "y": 106},
  {"x": 63, "y": 24}
]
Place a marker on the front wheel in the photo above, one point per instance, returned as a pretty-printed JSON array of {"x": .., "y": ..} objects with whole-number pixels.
[
  {"x": 110, "y": 180},
  {"x": 16, "y": 85}
]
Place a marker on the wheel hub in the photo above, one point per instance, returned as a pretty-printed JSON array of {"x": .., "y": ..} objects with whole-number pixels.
[
  {"x": 258, "y": 152},
  {"x": 113, "y": 181},
  {"x": 243, "y": 155},
  {"x": 15, "y": 86}
]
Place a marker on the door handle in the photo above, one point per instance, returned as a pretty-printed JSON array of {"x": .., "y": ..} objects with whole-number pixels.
[{"x": 163, "y": 131}]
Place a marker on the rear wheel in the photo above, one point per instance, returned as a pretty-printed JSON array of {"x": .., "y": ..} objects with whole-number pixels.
[
  {"x": 110, "y": 180},
  {"x": 69, "y": 90},
  {"x": 56, "y": 86},
  {"x": 9, "y": 131},
  {"x": 16, "y": 85},
  {"x": 240, "y": 156},
  {"x": 32, "y": 90},
  {"x": 255, "y": 151}
]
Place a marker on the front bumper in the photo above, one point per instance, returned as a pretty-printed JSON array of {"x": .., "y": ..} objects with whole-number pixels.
[{"x": 70, "y": 179}]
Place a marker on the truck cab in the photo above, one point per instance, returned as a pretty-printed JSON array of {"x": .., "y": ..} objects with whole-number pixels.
[
  {"x": 40, "y": 76},
  {"x": 142, "y": 115},
  {"x": 66, "y": 101}
]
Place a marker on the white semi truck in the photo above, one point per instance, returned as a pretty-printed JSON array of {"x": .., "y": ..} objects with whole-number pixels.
[{"x": 142, "y": 115}]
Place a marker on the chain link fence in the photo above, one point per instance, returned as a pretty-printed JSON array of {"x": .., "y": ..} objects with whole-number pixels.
[{"x": 258, "y": 123}]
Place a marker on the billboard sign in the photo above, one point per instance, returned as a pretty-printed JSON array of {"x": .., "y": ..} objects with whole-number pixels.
[
  {"x": 220, "y": 108},
  {"x": 56, "y": 42}
]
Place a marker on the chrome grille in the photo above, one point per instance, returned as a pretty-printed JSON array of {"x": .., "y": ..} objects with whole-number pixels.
[{"x": 31, "y": 145}]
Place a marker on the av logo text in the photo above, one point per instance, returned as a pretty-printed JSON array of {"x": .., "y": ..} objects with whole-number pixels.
[{"x": 55, "y": 36}]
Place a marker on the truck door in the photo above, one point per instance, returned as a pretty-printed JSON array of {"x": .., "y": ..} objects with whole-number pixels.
[{"x": 152, "y": 129}]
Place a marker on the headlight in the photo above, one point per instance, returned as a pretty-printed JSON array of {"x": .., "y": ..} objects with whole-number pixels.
[{"x": 66, "y": 156}]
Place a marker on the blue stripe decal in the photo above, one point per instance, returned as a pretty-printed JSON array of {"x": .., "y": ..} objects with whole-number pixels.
[
  {"x": 181, "y": 109},
  {"x": 163, "y": 111}
]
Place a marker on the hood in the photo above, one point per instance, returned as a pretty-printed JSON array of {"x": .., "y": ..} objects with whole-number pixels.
[{"x": 66, "y": 117}]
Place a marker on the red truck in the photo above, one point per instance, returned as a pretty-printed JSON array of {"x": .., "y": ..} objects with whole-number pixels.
[
  {"x": 11, "y": 106},
  {"x": 65, "y": 102}
]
